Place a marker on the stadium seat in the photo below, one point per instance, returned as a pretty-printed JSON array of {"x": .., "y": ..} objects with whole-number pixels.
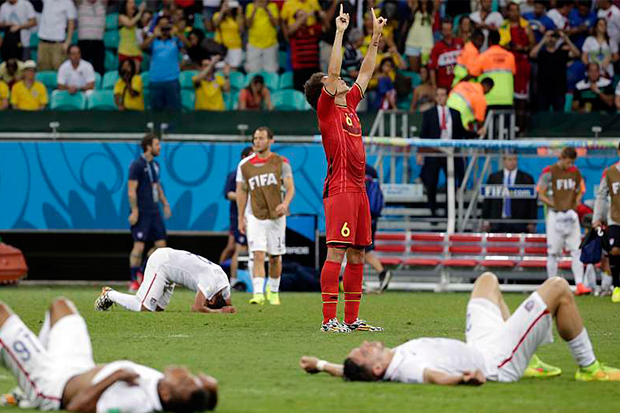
[
  {"x": 498, "y": 263},
  {"x": 386, "y": 236},
  {"x": 284, "y": 61},
  {"x": 111, "y": 40},
  {"x": 111, "y": 21},
  {"x": 286, "y": 81},
  {"x": 503, "y": 249},
  {"x": 145, "y": 80},
  {"x": 391, "y": 248},
  {"x": 145, "y": 66},
  {"x": 101, "y": 100},
  {"x": 415, "y": 78},
  {"x": 34, "y": 41},
  {"x": 186, "y": 79},
  {"x": 49, "y": 78},
  {"x": 199, "y": 21},
  {"x": 393, "y": 261},
  {"x": 188, "y": 100},
  {"x": 455, "y": 262},
  {"x": 427, "y": 237},
  {"x": 97, "y": 81},
  {"x": 405, "y": 103},
  {"x": 272, "y": 80},
  {"x": 568, "y": 103},
  {"x": 538, "y": 263},
  {"x": 535, "y": 250},
  {"x": 537, "y": 238},
  {"x": 465, "y": 249},
  {"x": 111, "y": 61},
  {"x": 421, "y": 262},
  {"x": 427, "y": 248},
  {"x": 237, "y": 81},
  {"x": 232, "y": 100},
  {"x": 465, "y": 238},
  {"x": 288, "y": 100},
  {"x": 109, "y": 79},
  {"x": 503, "y": 238},
  {"x": 62, "y": 100}
]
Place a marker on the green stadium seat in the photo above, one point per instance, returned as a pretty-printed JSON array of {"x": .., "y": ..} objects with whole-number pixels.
[
  {"x": 111, "y": 21},
  {"x": 568, "y": 104},
  {"x": 49, "y": 78},
  {"x": 62, "y": 100},
  {"x": 145, "y": 66},
  {"x": 286, "y": 81},
  {"x": 188, "y": 100},
  {"x": 405, "y": 103},
  {"x": 186, "y": 79},
  {"x": 199, "y": 21},
  {"x": 101, "y": 100},
  {"x": 33, "y": 54},
  {"x": 97, "y": 81},
  {"x": 111, "y": 40},
  {"x": 272, "y": 80},
  {"x": 415, "y": 78},
  {"x": 111, "y": 61},
  {"x": 284, "y": 61},
  {"x": 145, "y": 80},
  {"x": 109, "y": 79},
  {"x": 232, "y": 100},
  {"x": 34, "y": 41},
  {"x": 237, "y": 81},
  {"x": 288, "y": 100}
]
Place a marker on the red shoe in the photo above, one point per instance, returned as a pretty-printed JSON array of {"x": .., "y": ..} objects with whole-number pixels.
[
  {"x": 582, "y": 290},
  {"x": 134, "y": 286}
]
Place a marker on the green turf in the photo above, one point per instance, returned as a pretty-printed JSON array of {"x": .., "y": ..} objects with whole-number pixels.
[{"x": 255, "y": 353}]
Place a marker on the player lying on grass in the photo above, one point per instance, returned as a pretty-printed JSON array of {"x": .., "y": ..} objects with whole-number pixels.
[
  {"x": 56, "y": 371},
  {"x": 167, "y": 267},
  {"x": 498, "y": 346}
]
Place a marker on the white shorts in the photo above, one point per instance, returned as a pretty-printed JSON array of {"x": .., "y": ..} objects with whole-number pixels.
[
  {"x": 266, "y": 234},
  {"x": 562, "y": 237},
  {"x": 413, "y": 51},
  {"x": 508, "y": 345},
  {"x": 155, "y": 291},
  {"x": 43, "y": 367},
  {"x": 234, "y": 57},
  {"x": 258, "y": 59}
]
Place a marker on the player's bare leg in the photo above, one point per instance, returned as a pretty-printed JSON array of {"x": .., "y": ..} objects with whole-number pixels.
[
  {"x": 135, "y": 262},
  {"x": 229, "y": 250},
  {"x": 487, "y": 287},
  {"x": 329, "y": 289},
  {"x": 275, "y": 275},
  {"x": 353, "y": 279},
  {"x": 258, "y": 278}
]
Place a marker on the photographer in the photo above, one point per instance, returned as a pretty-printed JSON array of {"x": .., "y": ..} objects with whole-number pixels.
[{"x": 164, "y": 46}]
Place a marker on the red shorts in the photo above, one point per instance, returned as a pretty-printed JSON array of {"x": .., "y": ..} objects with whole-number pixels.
[{"x": 347, "y": 219}]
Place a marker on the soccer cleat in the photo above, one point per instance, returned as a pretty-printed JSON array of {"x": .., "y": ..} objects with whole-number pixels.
[
  {"x": 539, "y": 369},
  {"x": 334, "y": 326},
  {"x": 103, "y": 302},
  {"x": 9, "y": 400},
  {"x": 274, "y": 299},
  {"x": 597, "y": 372},
  {"x": 16, "y": 398},
  {"x": 384, "y": 279},
  {"x": 615, "y": 295},
  {"x": 582, "y": 290},
  {"x": 362, "y": 325},
  {"x": 258, "y": 299}
]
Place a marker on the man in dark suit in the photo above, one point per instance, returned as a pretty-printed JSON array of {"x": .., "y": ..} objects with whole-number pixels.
[
  {"x": 441, "y": 122},
  {"x": 506, "y": 209}
]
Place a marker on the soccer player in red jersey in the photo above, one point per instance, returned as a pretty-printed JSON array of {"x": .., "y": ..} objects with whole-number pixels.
[{"x": 347, "y": 213}]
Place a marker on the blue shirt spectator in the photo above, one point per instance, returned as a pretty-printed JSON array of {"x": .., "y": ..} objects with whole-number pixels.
[
  {"x": 539, "y": 22},
  {"x": 582, "y": 19},
  {"x": 165, "y": 60}
]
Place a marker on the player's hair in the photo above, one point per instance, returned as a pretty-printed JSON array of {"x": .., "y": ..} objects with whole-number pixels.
[
  {"x": 199, "y": 401},
  {"x": 354, "y": 372},
  {"x": 264, "y": 129},
  {"x": 73, "y": 46},
  {"x": 568, "y": 153},
  {"x": 493, "y": 37},
  {"x": 246, "y": 152},
  {"x": 147, "y": 140},
  {"x": 219, "y": 302},
  {"x": 313, "y": 87},
  {"x": 488, "y": 82}
]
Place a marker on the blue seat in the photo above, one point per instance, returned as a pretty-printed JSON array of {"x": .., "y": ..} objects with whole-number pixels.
[
  {"x": 415, "y": 78},
  {"x": 111, "y": 61},
  {"x": 145, "y": 80},
  {"x": 188, "y": 100},
  {"x": 111, "y": 40},
  {"x": 237, "y": 81},
  {"x": 286, "y": 81},
  {"x": 232, "y": 100},
  {"x": 34, "y": 41},
  {"x": 568, "y": 104},
  {"x": 97, "y": 81},
  {"x": 111, "y": 21},
  {"x": 272, "y": 80},
  {"x": 101, "y": 100},
  {"x": 109, "y": 79},
  {"x": 49, "y": 78},
  {"x": 288, "y": 100},
  {"x": 186, "y": 79},
  {"x": 62, "y": 100}
]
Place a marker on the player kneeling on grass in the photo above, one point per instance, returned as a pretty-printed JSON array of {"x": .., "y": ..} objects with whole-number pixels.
[
  {"x": 499, "y": 347},
  {"x": 167, "y": 267},
  {"x": 56, "y": 371}
]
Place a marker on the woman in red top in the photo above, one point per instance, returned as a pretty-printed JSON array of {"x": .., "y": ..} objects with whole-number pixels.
[{"x": 255, "y": 96}]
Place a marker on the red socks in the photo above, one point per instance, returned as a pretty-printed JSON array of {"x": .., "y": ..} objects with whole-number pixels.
[
  {"x": 353, "y": 277},
  {"x": 329, "y": 289}
]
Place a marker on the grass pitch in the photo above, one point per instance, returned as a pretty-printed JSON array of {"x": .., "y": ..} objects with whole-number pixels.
[{"x": 255, "y": 353}]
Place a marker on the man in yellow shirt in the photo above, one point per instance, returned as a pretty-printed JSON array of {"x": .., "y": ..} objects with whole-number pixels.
[
  {"x": 4, "y": 95},
  {"x": 309, "y": 8},
  {"x": 210, "y": 87},
  {"x": 128, "y": 90},
  {"x": 29, "y": 94},
  {"x": 262, "y": 49}
]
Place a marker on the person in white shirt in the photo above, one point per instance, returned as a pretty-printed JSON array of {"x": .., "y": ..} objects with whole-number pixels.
[
  {"x": 56, "y": 371},
  {"x": 18, "y": 15},
  {"x": 559, "y": 15},
  {"x": 76, "y": 75},
  {"x": 167, "y": 267},
  {"x": 486, "y": 19},
  {"x": 498, "y": 346},
  {"x": 611, "y": 13},
  {"x": 56, "y": 27}
]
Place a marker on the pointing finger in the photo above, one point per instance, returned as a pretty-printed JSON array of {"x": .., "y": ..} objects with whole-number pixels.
[{"x": 341, "y": 9}]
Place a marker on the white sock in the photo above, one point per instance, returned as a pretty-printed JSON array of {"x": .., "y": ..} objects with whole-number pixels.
[
  {"x": 274, "y": 284},
  {"x": 606, "y": 281},
  {"x": 581, "y": 347},
  {"x": 552, "y": 266},
  {"x": 577, "y": 267},
  {"x": 128, "y": 301},
  {"x": 45, "y": 329},
  {"x": 258, "y": 285}
]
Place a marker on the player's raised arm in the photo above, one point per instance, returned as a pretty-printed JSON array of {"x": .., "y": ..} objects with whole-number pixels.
[
  {"x": 368, "y": 65},
  {"x": 335, "y": 60},
  {"x": 314, "y": 365}
]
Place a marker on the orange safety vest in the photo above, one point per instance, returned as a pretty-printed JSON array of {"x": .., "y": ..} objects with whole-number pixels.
[
  {"x": 469, "y": 99},
  {"x": 498, "y": 64}
]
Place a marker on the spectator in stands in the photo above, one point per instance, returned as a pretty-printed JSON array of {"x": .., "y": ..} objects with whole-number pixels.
[
  {"x": 419, "y": 43},
  {"x": 255, "y": 96},
  {"x": 487, "y": 20},
  {"x": 165, "y": 89},
  {"x": 600, "y": 49},
  {"x": 29, "y": 93},
  {"x": 385, "y": 97},
  {"x": 56, "y": 27},
  {"x": 581, "y": 19},
  {"x": 611, "y": 14},
  {"x": 444, "y": 56},
  {"x": 468, "y": 56},
  {"x": 210, "y": 87},
  {"x": 440, "y": 122},
  {"x": 465, "y": 29},
  {"x": 262, "y": 19},
  {"x": 4, "y": 95},
  {"x": 11, "y": 71},
  {"x": 559, "y": 15},
  {"x": 303, "y": 29},
  {"x": 423, "y": 95},
  {"x": 468, "y": 98},
  {"x": 18, "y": 17},
  {"x": 328, "y": 19},
  {"x": 500, "y": 210},
  {"x": 594, "y": 93},
  {"x": 91, "y": 27},
  {"x": 76, "y": 74},
  {"x": 527, "y": 6},
  {"x": 128, "y": 89},
  {"x": 552, "y": 57},
  {"x": 352, "y": 59},
  {"x": 229, "y": 27},
  {"x": 128, "y": 22},
  {"x": 540, "y": 23},
  {"x": 210, "y": 8}
]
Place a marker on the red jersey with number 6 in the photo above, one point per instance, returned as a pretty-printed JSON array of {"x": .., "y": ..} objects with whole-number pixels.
[{"x": 341, "y": 133}]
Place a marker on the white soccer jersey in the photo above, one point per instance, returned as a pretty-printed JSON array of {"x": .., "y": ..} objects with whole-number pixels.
[{"x": 441, "y": 354}]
